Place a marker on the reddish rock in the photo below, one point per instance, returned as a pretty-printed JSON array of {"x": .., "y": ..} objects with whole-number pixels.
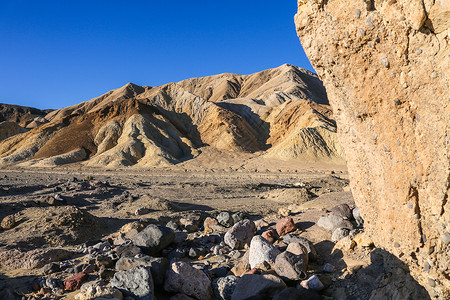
[
  {"x": 285, "y": 226},
  {"x": 74, "y": 282},
  {"x": 209, "y": 222},
  {"x": 269, "y": 235},
  {"x": 253, "y": 271}
]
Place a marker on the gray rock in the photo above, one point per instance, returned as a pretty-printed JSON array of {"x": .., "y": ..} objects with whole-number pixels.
[
  {"x": 172, "y": 225},
  {"x": 158, "y": 266},
  {"x": 182, "y": 278},
  {"x": 154, "y": 238},
  {"x": 342, "y": 210},
  {"x": 290, "y": 266},
  {"x": 261, "y": 250},
  {"x": 141, "y": 211},
  {"x": 178, "y": 253},
  {"x": 339, "y": 234},
  {"x": 50, "y": 268},
  {"x": 196, "y": 252},
  {"x": 357, "y": 215},
  {"x": 225, "y": 219},
  {"x": 253, "y": 286},
  {"x": 240, "y": 234},
  {"x": 53, "y": 283},
  {"x": 312, "y": 253},
  {"x": 328, "y": 268},
  {"x": 331, "y": 222},
  {"x": 128, "y": 251},
  {"x": 237, "y": 217},
  {"x": 224, "y": 287},
  {"x": 312, "y": 283},
  {"x": 137, "y": 282}
]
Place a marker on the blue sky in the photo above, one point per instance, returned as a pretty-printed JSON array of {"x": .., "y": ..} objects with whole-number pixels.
[{"x": 58, "y": 53}]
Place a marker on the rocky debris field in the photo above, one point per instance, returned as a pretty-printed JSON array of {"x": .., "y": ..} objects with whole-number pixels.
[{"x": 100, "y": 235}]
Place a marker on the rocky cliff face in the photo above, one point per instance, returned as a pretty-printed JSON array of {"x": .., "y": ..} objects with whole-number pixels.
[{"x": 386, "y": 69}]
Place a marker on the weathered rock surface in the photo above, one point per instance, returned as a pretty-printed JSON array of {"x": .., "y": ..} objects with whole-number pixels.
[
  {"x": 95, "y": 290},
  {"x": 157, "y": 265},
  {"x": 258, "y": 286},
  {"x": 240, "y": 234},
  {"x": 224, "y": 287},
  {"x": 154, "y": 238},
  {"x": 16, "y": 259},
  {"x": 385, "y": 67},
  {"x": 183, "y": 278},
  {"x": 137, "y": 282},
  {"x": 290, "y": 266},
  {"x": 262, "y": 251}
]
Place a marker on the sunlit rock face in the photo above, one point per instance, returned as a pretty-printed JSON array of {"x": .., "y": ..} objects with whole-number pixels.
[{"x": 386, "y": 69}]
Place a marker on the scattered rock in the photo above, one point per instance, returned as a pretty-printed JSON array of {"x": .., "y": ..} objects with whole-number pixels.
[
  {"x": 224, "y": 287},
  {"x": 328, "y": 268},
  {"x": 182, "y": 278},
  {"x": 254, "y": 286},
  {"x": 137, "y": 282},
  {"x": 225, "y": 219},
  {"x": 345, "y": 244},
  {"x": 312, "y": 253},
  {"x": 339, "y": 234},
  {"x": 240, "y": 234},
  {"x": 331, "y": 222},
  {"x": 50, "y": 268},
  {"x": 96, "y": 290},
  {"x": 141, "y": 211},
  {"x": 363, "y": 240},
  {"x": 284, "y": 212},
  {"x": 8, "y": 222},
  {"x": 154, "y": 238},
  {"x": 357, "y": 216},
  {"x": 291, "y": 266},
  {"x": 73, "y": 283},
  {"x": 343, "y": 211},
  {"x": 269, "y": 235},
  {"x": 157, "y": 265},
  {"x": 242, "y": 265},
  {"x": 262, "y": 251},
  {"x": 312, "y": 283},
  {"x": 15, "y": 259},
  {"x": 285, "y": 226},
  {"x": 209, "y": 223}
]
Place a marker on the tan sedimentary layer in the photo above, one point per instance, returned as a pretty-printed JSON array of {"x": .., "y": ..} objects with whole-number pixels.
[{"x": 282, "y": 111}]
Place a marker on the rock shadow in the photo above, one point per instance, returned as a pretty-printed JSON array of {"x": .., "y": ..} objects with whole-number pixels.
[{"x": 386, "y": 277}]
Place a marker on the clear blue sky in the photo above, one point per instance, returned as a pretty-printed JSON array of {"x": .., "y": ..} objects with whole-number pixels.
[{"x": 58, "y": 53}]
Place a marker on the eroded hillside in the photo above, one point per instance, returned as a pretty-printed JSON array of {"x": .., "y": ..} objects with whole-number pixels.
[{"x": 281, "y": 113}]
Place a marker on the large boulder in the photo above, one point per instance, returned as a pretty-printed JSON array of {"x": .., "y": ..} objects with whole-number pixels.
[
  {"x": 154, "y": 238},
  {"x": 137, "y": 283},
  {"x": 385, "y": 66},
  {"x": 158, "y": 266}
]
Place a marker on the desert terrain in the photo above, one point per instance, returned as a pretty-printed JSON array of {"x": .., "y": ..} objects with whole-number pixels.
[{"x": 221, "y": 187}]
